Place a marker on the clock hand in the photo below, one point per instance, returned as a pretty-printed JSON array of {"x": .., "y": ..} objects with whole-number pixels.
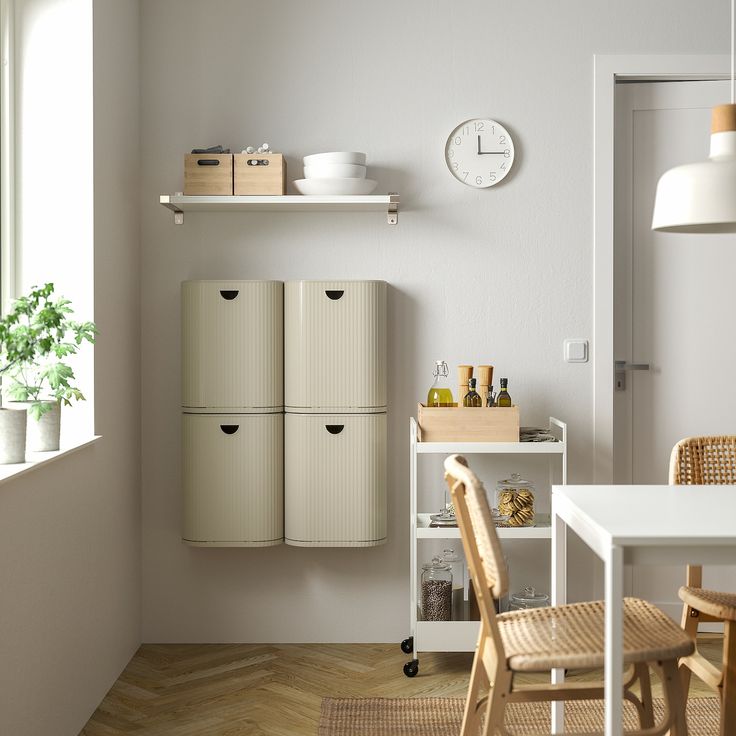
[
  {"x": 479, "y": 151},
  {"x": 485, "y": 152}
]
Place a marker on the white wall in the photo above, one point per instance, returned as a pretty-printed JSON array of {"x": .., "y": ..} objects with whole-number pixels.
[
  {"x": 502, "y": 275},
  {"x": 70, "y": 532}
]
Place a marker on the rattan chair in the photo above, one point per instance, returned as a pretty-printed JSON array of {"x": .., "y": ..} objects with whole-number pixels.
[
  {"x": 708, "y": 461},
  {"x": 539, "y": 640}
]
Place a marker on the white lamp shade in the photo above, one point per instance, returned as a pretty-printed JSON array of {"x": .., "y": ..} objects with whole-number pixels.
[
  {"x": 701, "y": 198},
  {"x": 697, "y": 198}
]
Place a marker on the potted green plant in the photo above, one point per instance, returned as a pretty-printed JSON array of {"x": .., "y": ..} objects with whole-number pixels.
[{"x": 36, "y": 336}]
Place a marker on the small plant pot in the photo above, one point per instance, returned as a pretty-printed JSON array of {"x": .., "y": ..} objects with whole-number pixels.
[
  {"x": 13, "y": 435},
  {"x": 42, "y": 435}
]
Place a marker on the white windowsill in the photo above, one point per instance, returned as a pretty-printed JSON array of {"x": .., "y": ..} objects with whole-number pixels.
[{"x": 39, "y": 459}]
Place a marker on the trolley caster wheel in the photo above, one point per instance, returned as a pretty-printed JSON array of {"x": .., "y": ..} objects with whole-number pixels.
[
  {"x": 411, "y": 669},
  {"x": 407, "y": 646}
]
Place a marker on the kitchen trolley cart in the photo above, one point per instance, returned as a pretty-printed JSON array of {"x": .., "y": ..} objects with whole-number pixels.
[{"x": 462, "y": 636}]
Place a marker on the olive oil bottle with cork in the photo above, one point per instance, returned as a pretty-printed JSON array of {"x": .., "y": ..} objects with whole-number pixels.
[
  {"x": 503, "y": 398},
  {"x": 472, "y": 398}
]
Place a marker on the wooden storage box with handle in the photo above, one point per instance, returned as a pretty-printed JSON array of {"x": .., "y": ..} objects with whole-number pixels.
[
  {"x": 260, "y": 173},
  {"x": 466, "y": 424},
  {"x": 208, "y": 174}
]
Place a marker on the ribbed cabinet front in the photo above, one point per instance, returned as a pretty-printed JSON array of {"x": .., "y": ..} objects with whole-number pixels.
[
  {"x": 232, "y": 421},
  {"x": 232, "y": 344},
  {"x": 335, "y": 345},
  {"x": 233, "y": 479},
  {"x": 335, "y": 475},
  {"x": 335, "y": 423}
]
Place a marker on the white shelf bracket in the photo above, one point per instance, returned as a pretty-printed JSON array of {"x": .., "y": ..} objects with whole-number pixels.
[
  {"x": 393, "y": 210},
  {"x": 178, "y": 218}
]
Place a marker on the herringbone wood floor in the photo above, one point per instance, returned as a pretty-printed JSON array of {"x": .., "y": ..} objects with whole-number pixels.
[{"x": 270, "y": 690}]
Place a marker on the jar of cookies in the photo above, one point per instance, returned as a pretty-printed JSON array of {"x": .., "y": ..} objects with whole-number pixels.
[{"x": 515, "y": 501}]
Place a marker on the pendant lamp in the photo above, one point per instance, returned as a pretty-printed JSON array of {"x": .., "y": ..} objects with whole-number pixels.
[{"x": 701, "y": 198}]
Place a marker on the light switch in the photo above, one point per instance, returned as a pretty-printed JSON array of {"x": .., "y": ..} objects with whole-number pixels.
[{"x": 576, "y": 351}]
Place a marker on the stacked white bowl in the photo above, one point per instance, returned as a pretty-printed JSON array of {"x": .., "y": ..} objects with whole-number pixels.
[{"x": 337, "y": 172}]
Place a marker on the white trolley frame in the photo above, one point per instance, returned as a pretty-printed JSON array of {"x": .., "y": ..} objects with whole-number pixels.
[{"x": 462, "y": 636}]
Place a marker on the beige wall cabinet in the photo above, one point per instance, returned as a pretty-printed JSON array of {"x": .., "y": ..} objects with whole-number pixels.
[
  {"x": 232, "y": 425},
  {"x": 335, "y": 345},
  {"x": 232, "y": 344},
  {"x": 233, "y": 479},
  {"x": 335, "y": 426},
  {"x": 335, "y": 480}
]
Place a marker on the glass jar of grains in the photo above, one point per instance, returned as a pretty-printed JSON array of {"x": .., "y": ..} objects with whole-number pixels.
[
  {"x": 457, "y": 568},
  {"x": 436, "y": 593},
  {"x": 515, "y": 501}
]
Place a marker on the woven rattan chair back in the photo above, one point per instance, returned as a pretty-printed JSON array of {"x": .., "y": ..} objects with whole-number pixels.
[
  {"x": 707, "y": 461},
  {"x": 704, "y": 461},
  {"x": 468, "y": 493}
]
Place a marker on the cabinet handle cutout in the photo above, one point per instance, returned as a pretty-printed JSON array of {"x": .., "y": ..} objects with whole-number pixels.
[
  {"x": 208, "y": 162},
  {"x": 334, "y": 428},
  {"x": 229, "y": 294},
  {"x": 334, "y": 294},
  {"x": 229, "y": 428}
]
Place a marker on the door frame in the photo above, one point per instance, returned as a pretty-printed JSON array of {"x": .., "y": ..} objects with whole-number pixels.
[{"x": 607, "y": 71}]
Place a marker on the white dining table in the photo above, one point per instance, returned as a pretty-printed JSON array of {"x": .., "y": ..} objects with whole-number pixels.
[{"x": 643, "y": 525}]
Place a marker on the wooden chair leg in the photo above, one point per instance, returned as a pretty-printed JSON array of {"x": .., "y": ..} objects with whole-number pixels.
[
  {"x": 478, "y": 680},
  {"x": 675, "y": 700},
  {"x": 728, "y": 695},
  {"x": 689, "y": 620},
  {"x": 646, "y": 714},
  {"x": 496, "y": 705}
]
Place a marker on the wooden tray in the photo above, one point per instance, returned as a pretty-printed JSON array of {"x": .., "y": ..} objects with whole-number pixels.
[{"x": 464, "y": 424}]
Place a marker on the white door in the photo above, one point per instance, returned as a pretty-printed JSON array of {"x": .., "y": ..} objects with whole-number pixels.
[{"x": 675, "y": 304}]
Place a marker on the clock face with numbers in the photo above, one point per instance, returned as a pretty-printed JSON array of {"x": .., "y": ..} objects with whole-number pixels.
[{"x": 479, "y": 153}]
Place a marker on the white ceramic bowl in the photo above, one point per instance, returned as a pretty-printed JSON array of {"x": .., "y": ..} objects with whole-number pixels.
[
  {"x": 334, "y": 171},
  {"x": 334, "y": 186},
  {"x": 335, "y": 157}
]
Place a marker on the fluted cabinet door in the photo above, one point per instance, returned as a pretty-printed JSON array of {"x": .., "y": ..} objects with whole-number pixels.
[
  {"x": 335, "y": 480},
  {"x": 335, "y": 345},
  {"x": 232, "y": 344},
  {"x": 233, "y": 479}
]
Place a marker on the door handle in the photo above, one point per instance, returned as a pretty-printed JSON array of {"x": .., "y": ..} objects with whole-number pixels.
[
  {"x": 334, "y": 428},
  {"x": 622, "y": 367}
]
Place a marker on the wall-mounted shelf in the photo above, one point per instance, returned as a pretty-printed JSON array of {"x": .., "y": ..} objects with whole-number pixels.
[{"x": 180, "y": 203}]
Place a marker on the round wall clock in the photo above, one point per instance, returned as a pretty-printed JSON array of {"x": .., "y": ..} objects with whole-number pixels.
[{"x": 479, "y": 152}]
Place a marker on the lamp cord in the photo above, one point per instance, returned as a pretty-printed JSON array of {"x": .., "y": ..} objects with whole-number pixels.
[{"x": 733, "y": 51}]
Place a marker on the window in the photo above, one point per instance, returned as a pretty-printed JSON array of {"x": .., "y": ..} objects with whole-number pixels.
[{"x": 47, "y": 184}]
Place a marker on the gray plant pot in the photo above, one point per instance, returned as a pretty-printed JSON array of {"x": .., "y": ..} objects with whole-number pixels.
[
  {"x": 42, "y": 435},
  {"x": 13, "y": 435}
]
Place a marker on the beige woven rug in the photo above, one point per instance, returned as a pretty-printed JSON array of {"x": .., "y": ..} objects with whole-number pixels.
[{"x": 442, "y": 716}]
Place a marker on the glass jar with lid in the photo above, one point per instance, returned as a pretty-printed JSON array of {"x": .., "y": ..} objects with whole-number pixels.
[
  {"x": 457, "y": 568},
  {"x": 436, "y": 591},
  {"x": 527, "y": 598},
  {"x": 515, "y": 501}
]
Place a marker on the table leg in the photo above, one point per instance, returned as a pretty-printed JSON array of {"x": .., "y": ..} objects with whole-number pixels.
[
  {"x": 614, "y": 630},
  {"x": 559, "y": 597}
]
